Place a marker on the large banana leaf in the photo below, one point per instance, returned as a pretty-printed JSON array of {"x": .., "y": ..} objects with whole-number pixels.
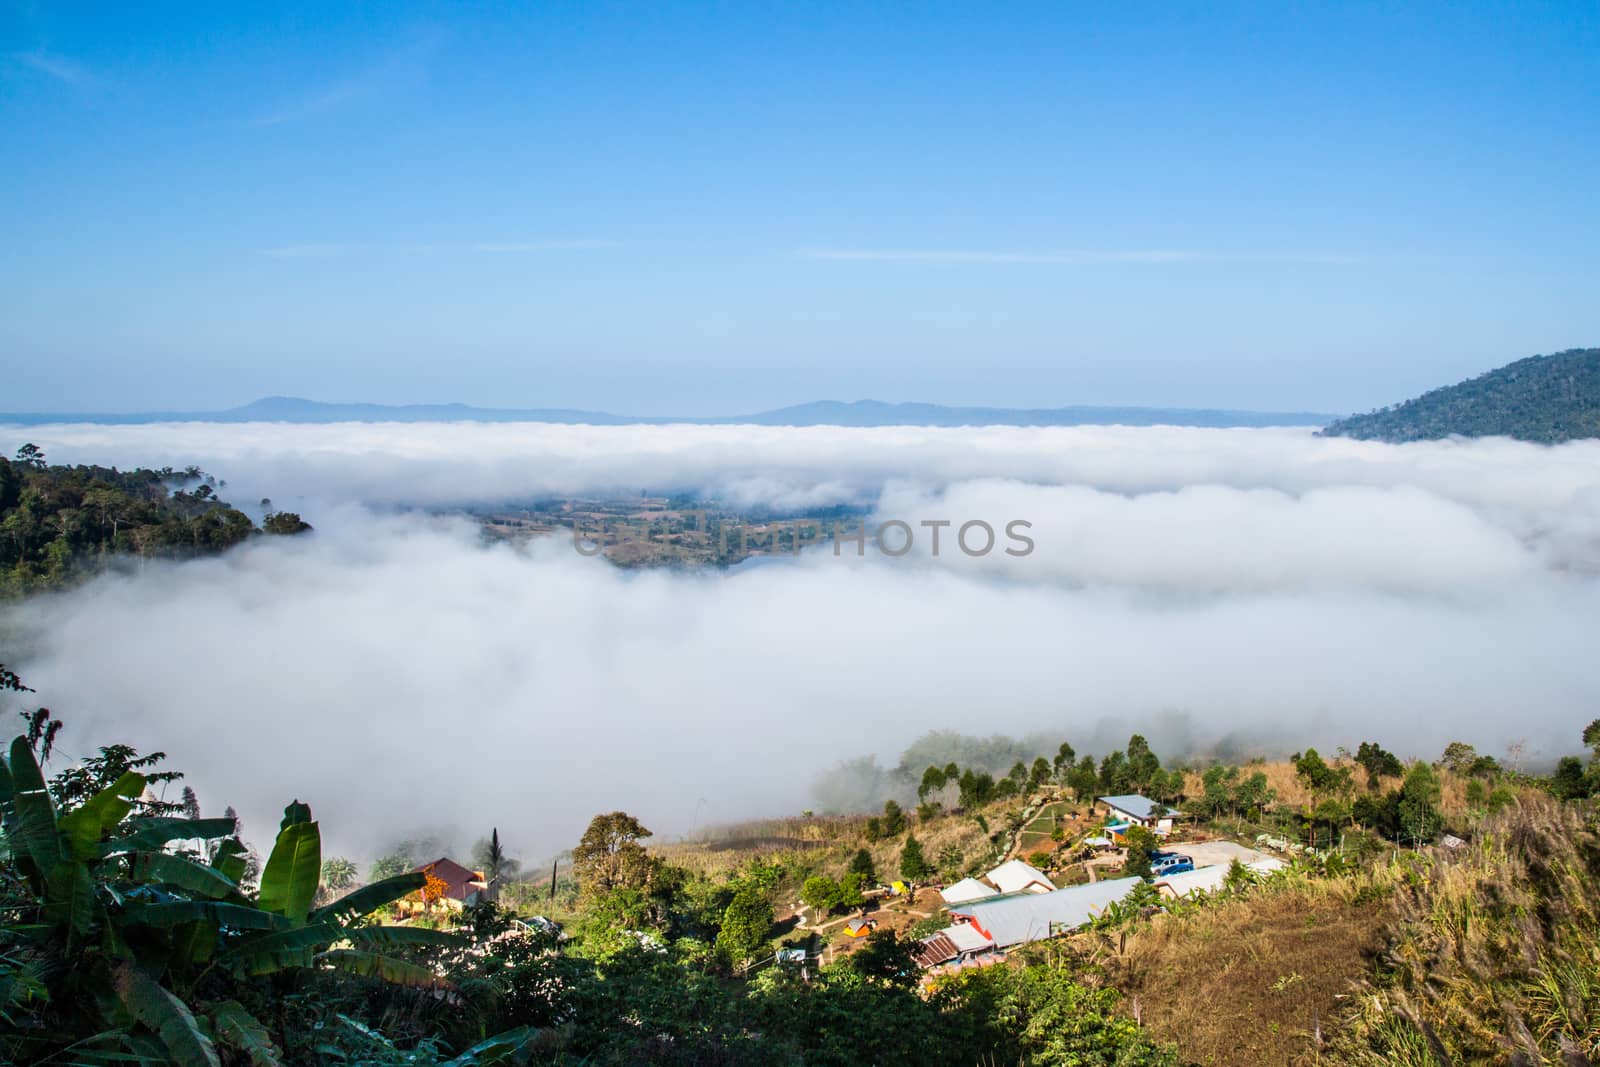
[
  {"x": 289, "y": 882},
  {"x": 373, "y": 965},
  {"x": 233, "y": 916},
  {"x": 369, "y": 898},
  {"x": 231, "y": 858},
  {"x": 281, "y": 949},
  {"x": 85, "y": 825},
  {"x": 194, "y": 942},
  {"x": 153, "y": 832},
  {"x": 296, "y": 812},
  {"x": 237, "y": 1028},
  {"x": 162, "y": 867},
  {"x": 496, "y": 1049},
  {"x": 32, "y": 827},
  {"x": 168, "y": 1016},
  {"x": 69, "y": 897}
]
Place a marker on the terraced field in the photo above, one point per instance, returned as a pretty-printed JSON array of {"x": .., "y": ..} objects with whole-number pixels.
[{"x": 1036, "y": 834}]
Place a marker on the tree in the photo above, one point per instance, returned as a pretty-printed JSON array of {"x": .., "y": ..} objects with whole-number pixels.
[
  {"x": 1063, "y": 763},
  {"x": 491, "y": 859},
  {"x": 1141, "y": 843},
  {"x": 976, "y": 788},
  {"x": 1143, "y": 765},
  {"x": 389, "y": 866},
  {"x": 1253, "y": 794},
  {"x": 1418, "y": 810},
  {"x": 913, "y": 867},
  {"x": 284, "y": 523},
  {"x": 609, "y": 855},
  {"x": 1591, "y": 737},
  {"x": 1459, "y": 756},
  {"x": 1083, "y": 780},
  {"x": 1569, "y": 782},
  {"x": 861, "y": 863},
  {"x": 1039, "y": 774},
  {"x": 433, "y": 888},
  {"x": 746, "y": 924},
  {"x": 191, "y": 804},
  {"x": 1114, "y": 776},
  {"x": 894, "y": 819},
  {"x": 31, "y": 455},
  {"x": 885, "y": 957},
  {"x": 852, "y": 891},
  {"x": 338, "y": 873},
  {"x": 933, "y": 780},
  {"x": 1378, "y": 763},
  {"x": 1311, "y": 769},
  {"x": 1218, "y": 793},
  {"x": 820, "y": 893}
]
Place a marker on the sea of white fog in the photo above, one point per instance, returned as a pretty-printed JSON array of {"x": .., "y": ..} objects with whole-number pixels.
[{"x": 396, "y": 672}]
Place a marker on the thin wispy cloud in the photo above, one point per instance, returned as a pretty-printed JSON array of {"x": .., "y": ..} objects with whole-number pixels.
[
  {"x": 400, "y": 67},
  {"x": 336, "y": 249},
  {"x": 310, "y": 251},
  {"x": 54, "y": 66},
  {"x": 579, "y": 245},
  {"x": 1073, "y": 257}
]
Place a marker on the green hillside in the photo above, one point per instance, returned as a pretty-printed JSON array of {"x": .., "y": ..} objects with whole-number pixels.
[
  {"x": 1548, "y": 399},
  {"x": 59, "y": 524}
]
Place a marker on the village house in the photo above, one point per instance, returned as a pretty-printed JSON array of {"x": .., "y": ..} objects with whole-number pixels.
[
  {"x": 462, "y": 886},
  {"x": 1011, "y": 877},
  {"x": 1137, "y": 810}
]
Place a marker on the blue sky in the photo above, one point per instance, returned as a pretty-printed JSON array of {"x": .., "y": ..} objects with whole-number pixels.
[{"x": 698, "y": 209}]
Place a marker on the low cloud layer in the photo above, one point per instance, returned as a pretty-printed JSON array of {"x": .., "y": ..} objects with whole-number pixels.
[{"x": 396, "y": 673}]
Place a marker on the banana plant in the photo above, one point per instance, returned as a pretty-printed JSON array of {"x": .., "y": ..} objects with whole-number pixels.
[{"x": 134, "y": 929}]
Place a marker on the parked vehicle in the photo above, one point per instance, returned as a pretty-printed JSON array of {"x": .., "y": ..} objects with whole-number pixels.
[{"x": 1164, "y": 863}]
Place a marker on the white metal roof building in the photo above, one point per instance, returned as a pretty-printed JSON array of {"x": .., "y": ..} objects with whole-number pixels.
[
  {"x": 1036, "y": 916},
  {"x": 1015, "y": 876},
  {"x": 1188, "y": 883},
  {"x": 966, "y": 891},
  {"x": 1135, "y": 808},
  {"x": 1209, "y": 879}
]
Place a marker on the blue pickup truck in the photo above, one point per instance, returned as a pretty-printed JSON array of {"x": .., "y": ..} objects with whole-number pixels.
[{"x": 1165, "y": 863}]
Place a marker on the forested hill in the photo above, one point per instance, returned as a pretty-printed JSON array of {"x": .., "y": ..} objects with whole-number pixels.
[
  {"x": 1547, "y": 399},
  {"x": 58, "y": 523}
]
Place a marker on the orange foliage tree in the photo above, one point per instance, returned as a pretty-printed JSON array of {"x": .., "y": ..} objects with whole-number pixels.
[{"x": 433, "y": 889}]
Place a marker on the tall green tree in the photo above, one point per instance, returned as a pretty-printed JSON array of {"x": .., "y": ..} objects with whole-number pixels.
[
  {"x": 746, "y": 927},
  {"x": 861, "y": 863},
  {"x": 913, "y": 865},
  {"x": 610, "y": 857},
  {"x": 1420, "y": 819},
  {"x": 497, "y": 866}
]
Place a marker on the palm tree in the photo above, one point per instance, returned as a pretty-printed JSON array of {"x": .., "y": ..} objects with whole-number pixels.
[{"x": 497, "y": 867}]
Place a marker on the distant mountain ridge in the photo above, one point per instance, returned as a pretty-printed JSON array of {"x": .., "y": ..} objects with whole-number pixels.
[
  {"x": 820, "y": 413},
  {"x": 1545, "y": 399}
]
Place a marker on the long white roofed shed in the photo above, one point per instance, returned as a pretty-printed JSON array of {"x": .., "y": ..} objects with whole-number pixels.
[
  {"x": 1036, "y": 916},
  {"x": 966, "y": 891}
]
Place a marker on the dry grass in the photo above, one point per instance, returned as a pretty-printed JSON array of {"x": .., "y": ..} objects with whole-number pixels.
[
  {"x": 1494, "y": 950},
  {"x": 1256, "y": 978}
]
